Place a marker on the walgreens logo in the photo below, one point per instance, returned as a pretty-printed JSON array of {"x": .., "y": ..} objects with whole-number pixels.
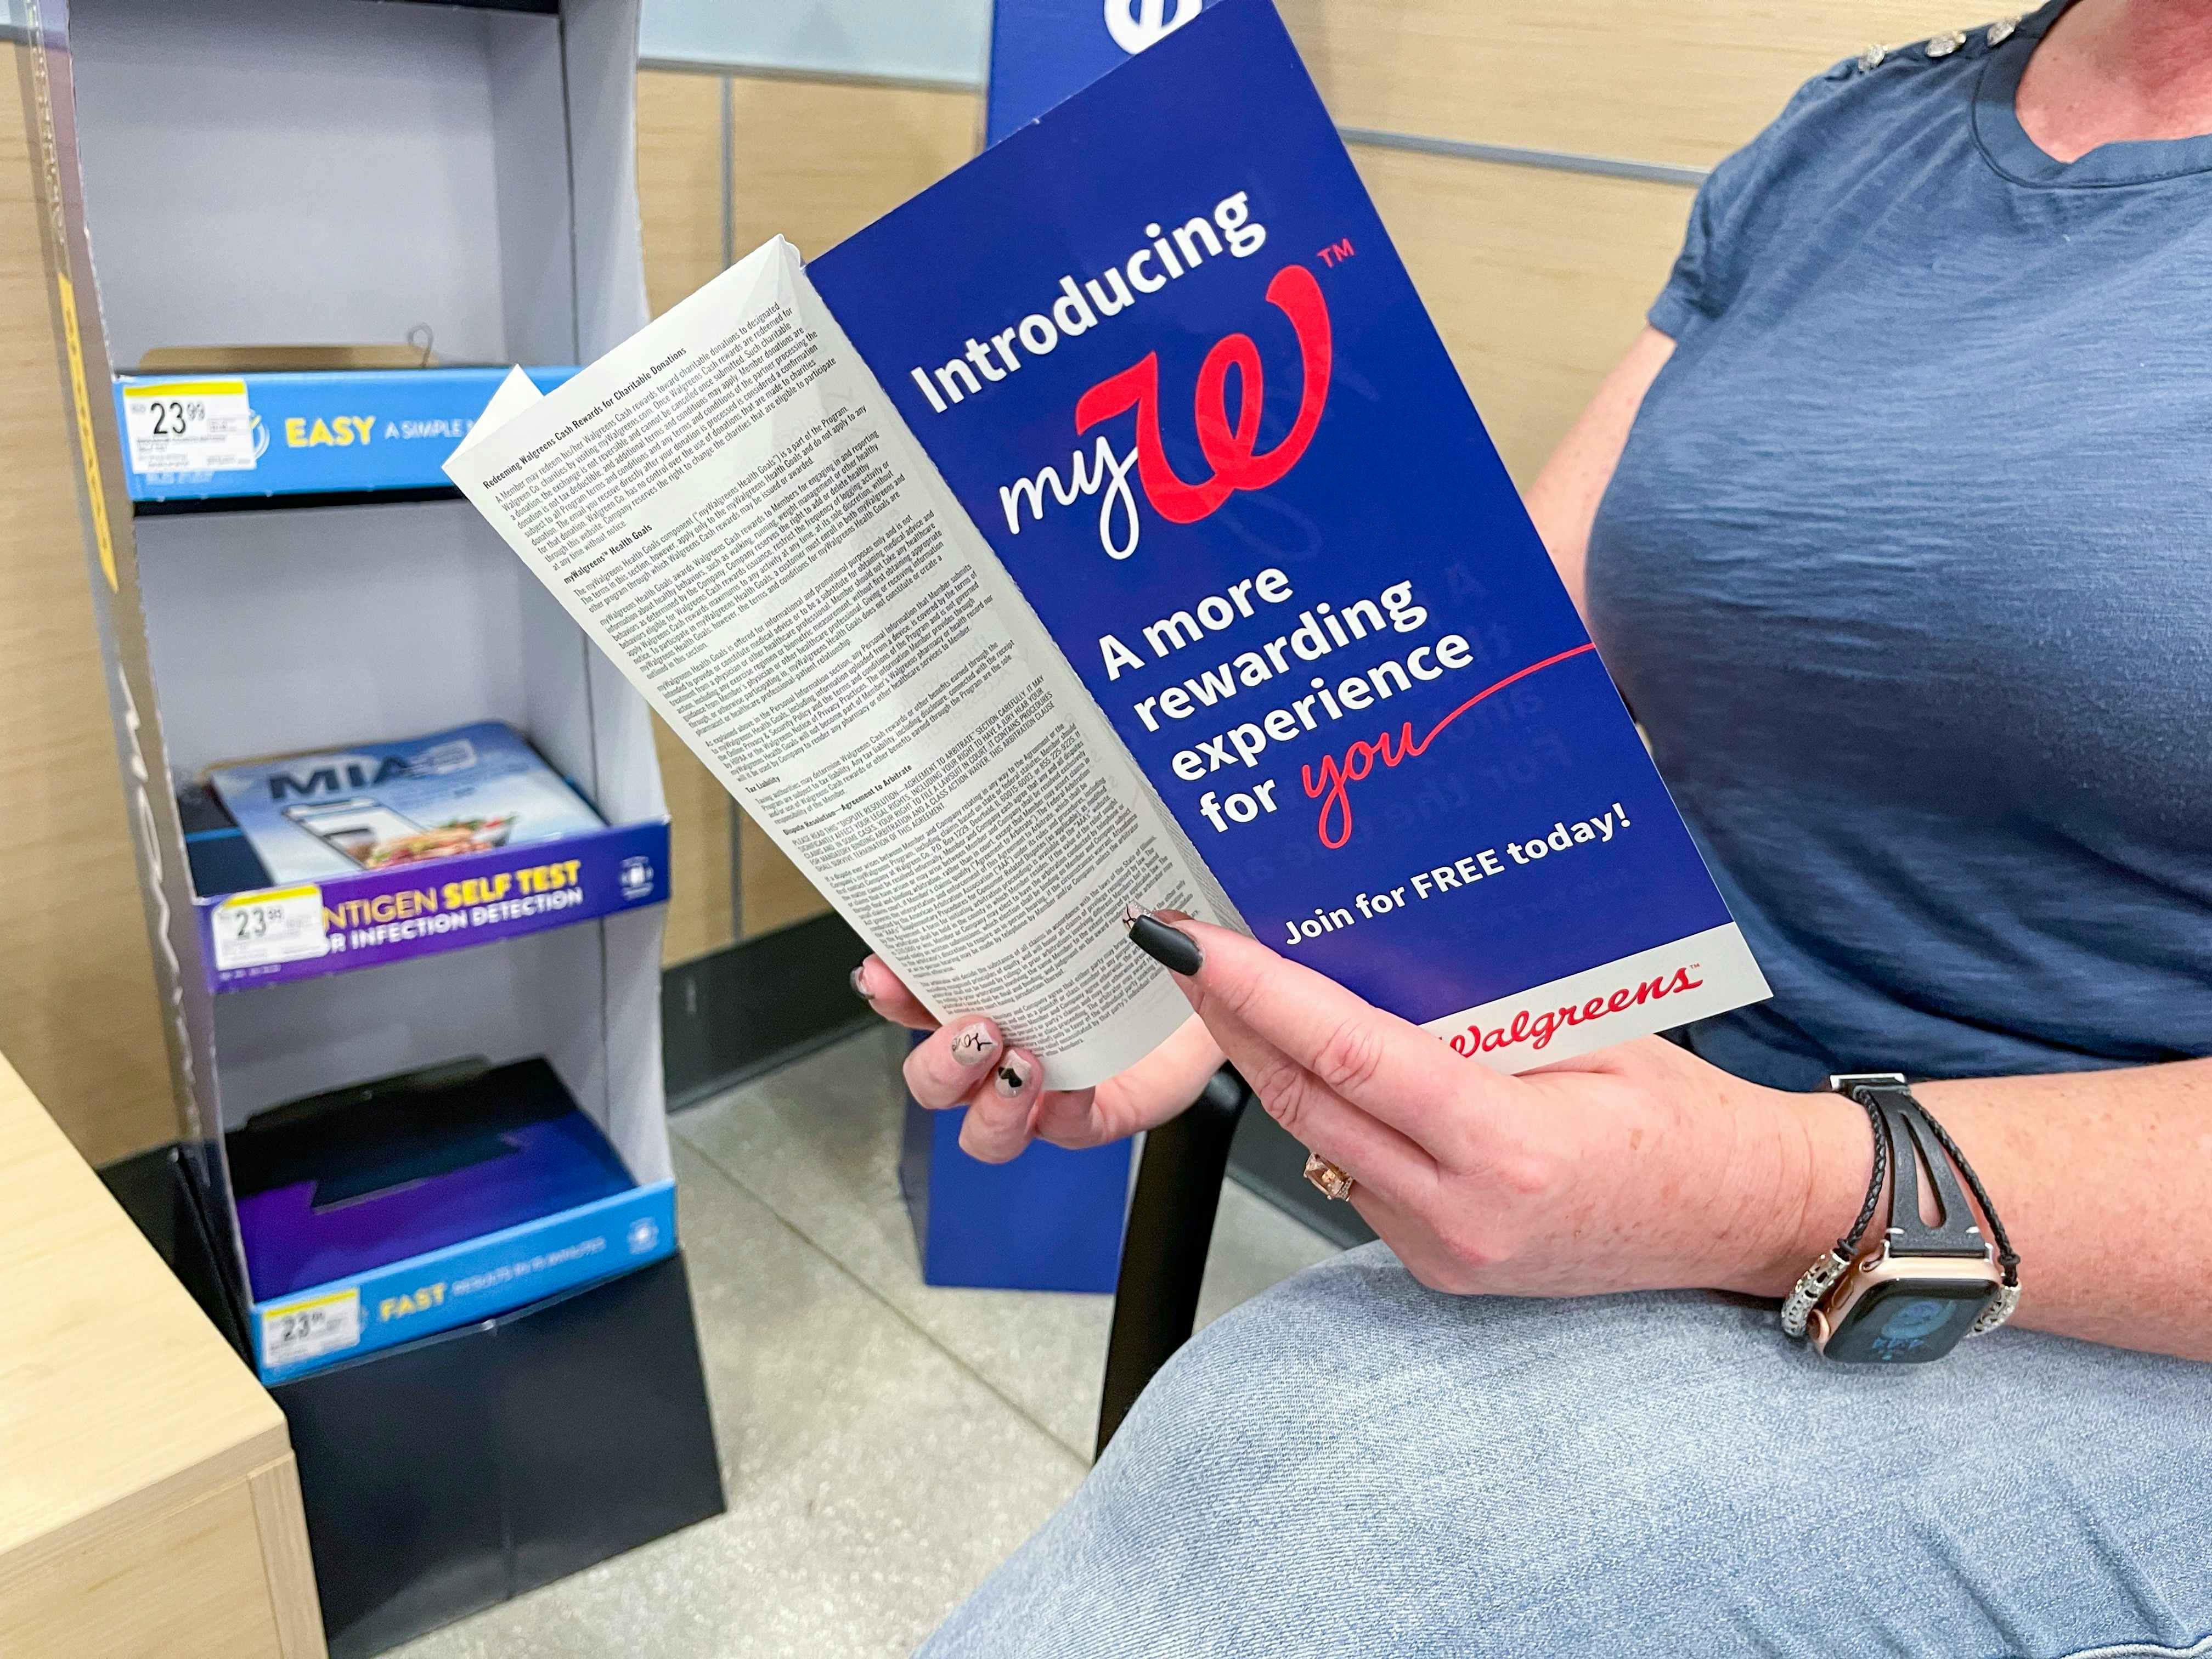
[{"x": 1537, "y": 1029}]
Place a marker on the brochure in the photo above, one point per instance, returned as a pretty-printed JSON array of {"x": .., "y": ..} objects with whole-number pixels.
[
  {"x": 1082, "y": 534},
  {"x": 383, "y": 805}
]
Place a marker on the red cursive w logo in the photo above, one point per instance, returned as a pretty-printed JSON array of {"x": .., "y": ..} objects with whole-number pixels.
[{"x": 1230, "y": 448}]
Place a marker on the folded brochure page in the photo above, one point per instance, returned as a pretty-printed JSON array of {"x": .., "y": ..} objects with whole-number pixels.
[
  {"x": 1079, "y": 535},
  {"x": 760, "y": 544}
]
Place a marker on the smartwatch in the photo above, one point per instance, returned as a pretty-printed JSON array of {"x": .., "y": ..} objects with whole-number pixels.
[{"x": 1930, "y": 1284}]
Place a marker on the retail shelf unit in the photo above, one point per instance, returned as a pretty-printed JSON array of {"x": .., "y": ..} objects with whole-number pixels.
[{"x": 250, "y": 173}]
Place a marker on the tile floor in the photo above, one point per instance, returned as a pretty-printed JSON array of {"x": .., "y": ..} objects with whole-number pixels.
[{"x": 883, "y": 1445}]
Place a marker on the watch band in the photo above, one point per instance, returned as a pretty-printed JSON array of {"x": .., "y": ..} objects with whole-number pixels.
[
  {"x": 1954, "y": 1232},
  {"x": 1903, "y": 1130},
  {"x": 1818, "y": 1279},
  {"x": 2007, "y": 1298}
]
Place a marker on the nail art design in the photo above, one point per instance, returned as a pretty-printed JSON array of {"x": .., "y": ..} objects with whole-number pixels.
[
  {"x": 860, "y": 983},
  {"x": 973, "y": 1046},
  {"x": 1173, "y": 949},
  {"x": 1013, "y": 1076}
]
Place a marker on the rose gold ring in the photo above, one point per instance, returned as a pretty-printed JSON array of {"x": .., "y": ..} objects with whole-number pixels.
[{"x": 1332, "y": 1181}]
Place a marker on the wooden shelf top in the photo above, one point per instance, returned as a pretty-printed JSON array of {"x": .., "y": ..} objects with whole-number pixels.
[{"x": 114, "y": 1389}]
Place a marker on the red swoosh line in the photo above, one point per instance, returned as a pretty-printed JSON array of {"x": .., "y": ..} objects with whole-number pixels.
[{"x": 1329, "y": 788}]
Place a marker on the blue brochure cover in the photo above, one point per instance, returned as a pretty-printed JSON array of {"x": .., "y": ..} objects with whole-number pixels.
[{"x": 1197, "y": 411}]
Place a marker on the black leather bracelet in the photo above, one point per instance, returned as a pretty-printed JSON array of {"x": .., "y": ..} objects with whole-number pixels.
[
  {"x": 1907, "y": 1137},
  {"x": 1956, "y": 1233},
  {"x": 2008, "y": 1258},
  {"x": 1848, "y": 1245}
]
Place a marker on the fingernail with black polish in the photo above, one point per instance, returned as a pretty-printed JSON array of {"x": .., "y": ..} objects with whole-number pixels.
[
  {"x": 974, "y": 1046},
  {"x": 1013, "y": 1076},
  {"x": 1173, "y": 949}
]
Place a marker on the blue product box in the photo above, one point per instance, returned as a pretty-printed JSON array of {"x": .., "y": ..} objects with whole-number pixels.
[
  {"x": 315, "y": 864},
  {"x": 390, "y": 806},
  {"x": 347, "y": 1318},
  {"x": 271, "y": 936},
  {"x": 218, "y": 435},
  {"x": 407, "y": 1204}
]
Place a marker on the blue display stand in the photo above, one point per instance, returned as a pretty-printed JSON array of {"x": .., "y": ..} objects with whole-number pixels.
[
  {"x": 1050, "y": 1220},
  {"x": 1043, "y": 51}
]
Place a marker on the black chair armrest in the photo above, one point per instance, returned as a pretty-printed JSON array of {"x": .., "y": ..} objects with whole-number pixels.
[{"x": 1163, "y": 1250}]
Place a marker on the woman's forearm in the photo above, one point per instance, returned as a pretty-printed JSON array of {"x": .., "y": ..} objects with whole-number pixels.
[{"x": 2103, "y": 1181}]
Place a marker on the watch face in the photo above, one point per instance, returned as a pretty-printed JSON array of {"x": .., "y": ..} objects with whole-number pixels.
[{"x": 1908, "y": 1320}]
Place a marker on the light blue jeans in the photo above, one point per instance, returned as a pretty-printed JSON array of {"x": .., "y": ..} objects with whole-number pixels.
[{"x": 1351, "y": 1465}]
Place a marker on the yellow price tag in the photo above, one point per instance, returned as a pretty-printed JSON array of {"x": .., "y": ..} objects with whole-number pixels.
[{"x": 281, "y": 925}]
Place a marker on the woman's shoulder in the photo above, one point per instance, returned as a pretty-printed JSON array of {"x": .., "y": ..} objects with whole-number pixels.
[
  {"x": 1862, "y": 107},
  {"x": 1839, "y": 139}
]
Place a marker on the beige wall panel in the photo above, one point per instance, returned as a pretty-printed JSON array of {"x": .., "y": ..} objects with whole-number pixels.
[
  {"x": 679, "y": 181},
  {"x": 775, "y": 894},
  {"x": 1537, "y": 280},
  {"x": 816, "y": 160},
  {"x": 1680, "y": 81},
  {"x": 76, "y": 977},
  {"x": 699, "y": 831}
]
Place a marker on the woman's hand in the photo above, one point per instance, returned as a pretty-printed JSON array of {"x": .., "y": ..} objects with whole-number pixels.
[
  {"x": 1638, "y": 1168},
  {"x": 968, "y": 1064}
]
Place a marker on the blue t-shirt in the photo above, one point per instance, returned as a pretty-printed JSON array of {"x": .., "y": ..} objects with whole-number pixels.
[{"x": 1907, "y": 571}]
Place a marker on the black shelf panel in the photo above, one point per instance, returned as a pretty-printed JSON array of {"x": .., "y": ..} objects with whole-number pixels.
[
  {"x": 536, "y": 8},
  {"x": 311, "y": 498}
]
